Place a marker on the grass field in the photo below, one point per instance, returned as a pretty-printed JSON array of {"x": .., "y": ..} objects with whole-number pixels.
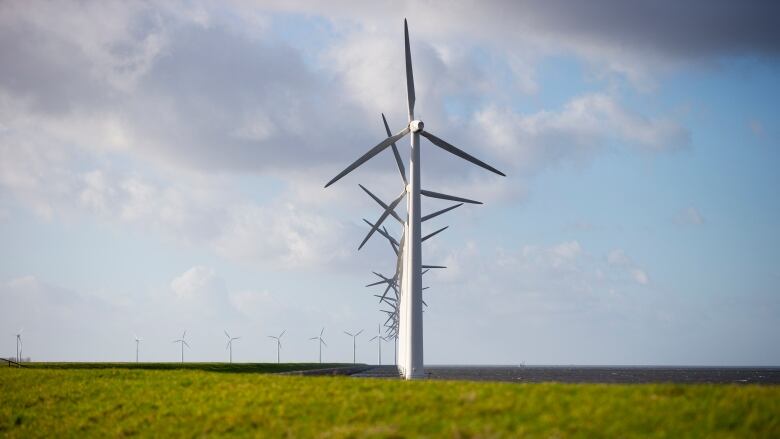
[{"x": 119, "y": 401}]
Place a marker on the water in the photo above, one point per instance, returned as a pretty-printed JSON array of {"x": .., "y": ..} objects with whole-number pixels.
[{"x": 593, "y": 374}]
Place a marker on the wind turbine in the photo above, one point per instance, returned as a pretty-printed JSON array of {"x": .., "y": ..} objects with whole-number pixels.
[
  {"x": 410, "y": 326},
  {"x": 137, "y": 342},
  {"x": 278, "y": 344},
  {"x": 354, "y": 348},
  {"x": 378, "y": 337},
  {"x": 183, "y": 343},
  {"x": 230, "y": 344},
  {"x": 19, "y": 346},
  {"x": 321, "y": 342}
]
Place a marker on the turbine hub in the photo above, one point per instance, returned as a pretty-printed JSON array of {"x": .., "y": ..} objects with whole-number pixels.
[{"x": 416, "y": 126}]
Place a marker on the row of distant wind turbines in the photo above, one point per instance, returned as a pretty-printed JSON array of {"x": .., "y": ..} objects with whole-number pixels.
[{"x": 278, "y": 338}]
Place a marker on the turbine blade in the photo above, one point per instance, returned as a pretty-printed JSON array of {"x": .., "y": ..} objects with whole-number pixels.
[
  {"x": 385, "y": 293},
  {"x": 447, "y": 197},
  {"x": 383, "y": 231},
  {"x": 458, "y": 152},
  {"x": 409, "y": 75},
  {"x": 388, "y": 300},
  {"x": 398, "y": 160},
  {"x": 186, "y": 344},
  {"x": 382, "y": 203},
  {"x": 314, "y": 338},
  {"x": 321, "y": 332},
  {"x": 373, "y": 338},
  {"x": 348, "y": 334},
  {"x": 359, "y": 332},
  {"x": 376, "y": 283},
  {"x": 323, "y": 342},
  {"x": 430, "y": 235},
  {"x": 439, "y": 212},
  {"x": 372, "y": 152},
  {"x": 382, "y": 218},
  {"x": 226, "y": 334},
  {"x": 433, "y": 266},
  {"x": 280, "y": 335},
  {"x": 426, "y": 270},
  {"x": 387, "y": 235},
  {"x": 394, "y": 247}
]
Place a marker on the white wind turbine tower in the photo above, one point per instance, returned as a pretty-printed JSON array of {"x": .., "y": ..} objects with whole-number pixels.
[
  {"x": 137, "y": 342},
  {"x": 410, "y": 322},
  {"x": 379, "y": 339},
  {"x": 19, "y": 346},
  {"x": 183, "y": 343},
  {"x": 321, "y": 342},
  {"x": 230, "y": 344},
  {"x": 354, "y": 345},
  {"x": 278, "y": 344}
]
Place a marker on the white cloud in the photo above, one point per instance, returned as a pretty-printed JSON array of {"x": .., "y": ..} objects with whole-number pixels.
[
  {"x": 690, "y": 216},
  {"x": 618, "y": 259},
  {"x": 282, "y": 236},
  {"x": 640, "y": 276},
  {"x": 584, "y": 126},
  {"x": 615, "y": 38},
  {"x": 552, "y": 278},
  {"x": 196, "y": 281}
]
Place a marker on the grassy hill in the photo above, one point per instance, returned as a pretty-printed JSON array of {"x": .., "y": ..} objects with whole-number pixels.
[{"x": 123, "y": 400}]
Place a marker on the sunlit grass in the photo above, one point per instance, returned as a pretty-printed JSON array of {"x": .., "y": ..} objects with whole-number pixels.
[{"x": 119, "y": 401}]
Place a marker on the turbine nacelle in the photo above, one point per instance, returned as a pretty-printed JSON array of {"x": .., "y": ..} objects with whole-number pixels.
[{"x": 416, "y": 126}]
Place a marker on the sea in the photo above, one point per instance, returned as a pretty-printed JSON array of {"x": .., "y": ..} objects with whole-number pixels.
[{"x": 592, "y": 374}]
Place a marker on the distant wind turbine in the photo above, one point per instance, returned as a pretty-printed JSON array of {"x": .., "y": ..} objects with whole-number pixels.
[
  {"x": 183, "y": 343},
  {"x": 137, "y": 342},
  {"x": 278, "y": 344},
  {"x": 230, "y": 344},
  {"x": 19, "y": 346},
  {"x": 321, "y": 342},
  {"x": 354, "y": 348},
  {"x": 378, "y": 337}
]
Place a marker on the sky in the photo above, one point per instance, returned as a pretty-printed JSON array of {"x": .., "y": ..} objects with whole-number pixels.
[{"x": 162, "y": 168}]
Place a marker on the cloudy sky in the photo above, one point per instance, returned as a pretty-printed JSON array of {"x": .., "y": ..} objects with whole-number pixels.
[{"x": 162, "y": 169}]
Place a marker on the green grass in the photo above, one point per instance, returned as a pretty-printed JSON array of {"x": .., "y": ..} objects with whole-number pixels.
[{"x": 51, "y": 402}]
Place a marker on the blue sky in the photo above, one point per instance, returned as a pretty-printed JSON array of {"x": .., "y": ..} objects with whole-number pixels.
[{"x": 162, "y": 164}]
